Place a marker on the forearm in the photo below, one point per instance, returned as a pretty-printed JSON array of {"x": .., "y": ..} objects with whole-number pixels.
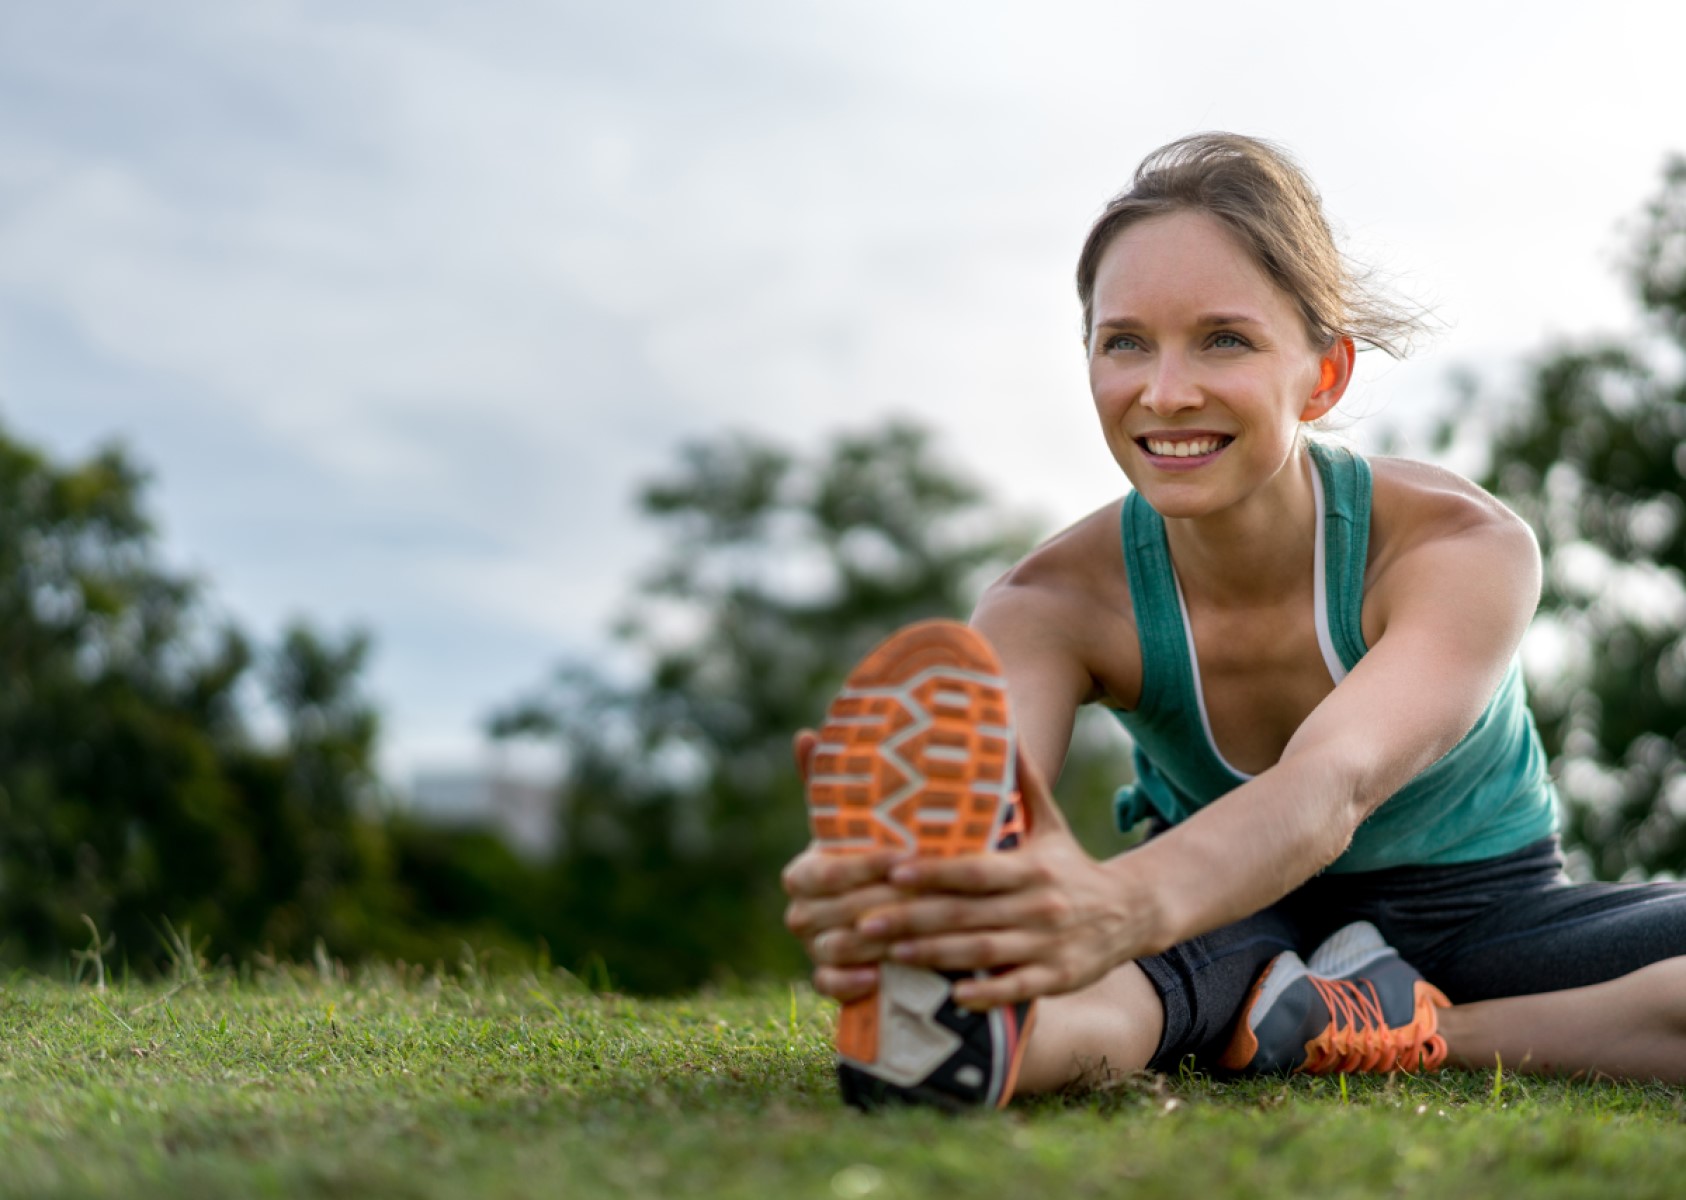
[
  {"x": 1238, "y": 855},
  {"x": 1250, "y": 848}
]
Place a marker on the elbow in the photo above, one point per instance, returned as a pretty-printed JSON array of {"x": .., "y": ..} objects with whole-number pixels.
[
  {"x": 1324, "y": 839},
  {"x": 1338, "y": 834},
  {"x": 1348, "y": 796}
]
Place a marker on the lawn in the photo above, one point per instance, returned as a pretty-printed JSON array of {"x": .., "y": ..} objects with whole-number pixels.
[{"x": 292, "y": 1081}]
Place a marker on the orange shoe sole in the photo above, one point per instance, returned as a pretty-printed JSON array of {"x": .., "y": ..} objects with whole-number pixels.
[{"x": 917, "y": 753}]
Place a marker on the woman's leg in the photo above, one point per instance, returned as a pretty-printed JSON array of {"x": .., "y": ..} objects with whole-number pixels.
[
  {"x": 1110, "y": 1028},
  {"x": 1155, "y": 1012},
  {"x": 1545, "y": 976},
  {"x": 1631, "y": 1027}
]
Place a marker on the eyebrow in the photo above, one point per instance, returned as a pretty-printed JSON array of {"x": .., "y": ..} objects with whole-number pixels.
[{"x": 1204, "y": 321}]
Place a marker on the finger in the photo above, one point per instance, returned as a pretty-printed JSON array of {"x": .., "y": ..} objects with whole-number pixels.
[
  {"x": 844, "y": 948},
  {"x": 846, "y": 984},
  {"x": 970, "y": 874},
  {"x": 803, "y": 744},
  {"x": 971, "y": 951},
  {"x": 1011, "y": 987},
  {"x": 808, "y": 916},
  {"x": 815, "y": 872},
  {"x": 905, "y": 918}
]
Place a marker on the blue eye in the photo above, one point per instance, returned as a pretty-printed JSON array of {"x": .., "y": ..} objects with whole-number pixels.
[
  {"x": 1226, "y": 340},
  {"x": 1120, "y": 341}
]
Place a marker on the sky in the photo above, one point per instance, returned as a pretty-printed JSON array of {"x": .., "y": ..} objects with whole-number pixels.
[{"x": 402, "y": 301}]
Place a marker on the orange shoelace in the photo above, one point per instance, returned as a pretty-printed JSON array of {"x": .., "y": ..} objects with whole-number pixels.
[{"x": 1358, "y": 1037}]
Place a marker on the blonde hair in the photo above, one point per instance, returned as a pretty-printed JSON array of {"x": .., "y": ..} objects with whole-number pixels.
[{"x": 1266, "y": 200}]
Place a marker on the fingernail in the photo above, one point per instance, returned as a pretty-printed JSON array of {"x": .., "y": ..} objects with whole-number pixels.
[
  {"x": 901, "y": 951},
  {"x": 873, "y": 926},
  {"x": 904, "y": 874}
]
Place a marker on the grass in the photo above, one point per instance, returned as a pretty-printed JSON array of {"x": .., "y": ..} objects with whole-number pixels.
[{"x": 303, "y": 1081}]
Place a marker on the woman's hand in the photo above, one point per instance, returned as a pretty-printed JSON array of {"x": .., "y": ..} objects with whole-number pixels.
[
  {"x": 828, "y": 894},
  {"x": 1047, "y": 914}
]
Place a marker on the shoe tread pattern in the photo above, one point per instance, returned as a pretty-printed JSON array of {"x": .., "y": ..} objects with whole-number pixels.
[{"x": 916, "y": 752}]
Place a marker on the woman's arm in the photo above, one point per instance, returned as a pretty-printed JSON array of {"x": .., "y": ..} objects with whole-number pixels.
[
  {"x": 1061, "y": 623},
  {"x": 1036, "y": 618},
  {"x": 1453, "y": 584}
]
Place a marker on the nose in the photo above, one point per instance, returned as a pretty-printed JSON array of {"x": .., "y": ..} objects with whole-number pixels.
[{"x": 1171, "y": 387}]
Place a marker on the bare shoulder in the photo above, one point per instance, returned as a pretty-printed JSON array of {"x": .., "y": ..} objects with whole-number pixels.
[
  {"x": 1433, "y": 529},
  {"x": 1416, "y": 502},
  {"x": 1065, "y": 608}
]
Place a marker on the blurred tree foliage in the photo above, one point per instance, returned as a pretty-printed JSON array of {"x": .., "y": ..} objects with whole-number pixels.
[
  {"x": 681, "y": 800},
  {"x": 1593, "y": 456},
  {"x": 132, "y": 793}
]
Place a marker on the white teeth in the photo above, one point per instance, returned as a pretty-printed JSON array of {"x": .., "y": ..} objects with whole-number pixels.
[{"x": 1190, "y": 449}]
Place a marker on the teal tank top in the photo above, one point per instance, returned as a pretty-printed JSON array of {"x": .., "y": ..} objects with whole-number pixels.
[{"x": 1489, "y": 795}]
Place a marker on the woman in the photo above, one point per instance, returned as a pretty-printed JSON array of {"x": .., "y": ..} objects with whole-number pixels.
[{"x": 1316, "y": 657}]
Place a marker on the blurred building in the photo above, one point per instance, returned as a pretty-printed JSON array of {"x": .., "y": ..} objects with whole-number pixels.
[{"x": 520, "y": 809}]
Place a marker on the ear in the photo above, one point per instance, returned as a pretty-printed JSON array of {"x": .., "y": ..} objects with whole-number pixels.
[{"x": 1334, "y": 369}]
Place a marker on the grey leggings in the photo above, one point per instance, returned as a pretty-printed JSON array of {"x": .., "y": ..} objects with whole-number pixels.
[{"x": 1507, "y": 926}]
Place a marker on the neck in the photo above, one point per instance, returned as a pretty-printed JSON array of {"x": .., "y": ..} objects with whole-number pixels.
[{"x": 1257, "y": 551}]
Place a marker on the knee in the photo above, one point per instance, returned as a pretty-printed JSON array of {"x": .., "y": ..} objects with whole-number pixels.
[
  {"x": 1671, "y": 982},
  {"x": 1657, "y": 994}
]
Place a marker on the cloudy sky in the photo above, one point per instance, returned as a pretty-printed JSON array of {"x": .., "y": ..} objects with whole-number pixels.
[{"x": 401, "y": 300}]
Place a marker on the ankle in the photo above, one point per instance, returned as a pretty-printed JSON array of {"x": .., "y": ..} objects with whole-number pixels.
[{"x": 1457, "y": 1025}]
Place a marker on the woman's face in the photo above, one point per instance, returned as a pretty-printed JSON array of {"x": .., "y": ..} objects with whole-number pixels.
[{"x": 1200, "y": 366}]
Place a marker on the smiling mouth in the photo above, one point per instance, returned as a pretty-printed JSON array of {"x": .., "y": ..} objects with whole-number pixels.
[{"x": 1183, "y": 448}]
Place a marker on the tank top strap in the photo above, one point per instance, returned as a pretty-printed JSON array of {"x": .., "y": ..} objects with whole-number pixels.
[
  {"x": 1346, "y": 531},
  {"x": 1167, "y": 673}
]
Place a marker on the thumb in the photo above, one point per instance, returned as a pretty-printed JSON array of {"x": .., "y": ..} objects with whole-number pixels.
[
  {"x": 803, "y": 745},
  {"x": 1043, "y": 814}
]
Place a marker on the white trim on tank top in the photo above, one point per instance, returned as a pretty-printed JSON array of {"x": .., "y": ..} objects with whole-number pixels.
[{"x": 1320, "y": 615}]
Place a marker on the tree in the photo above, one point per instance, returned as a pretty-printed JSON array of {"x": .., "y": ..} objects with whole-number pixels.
[
  {"x": 132, "y": 793},
  {"x": 680, "y": 801},
  {"x": 314, "y": 802},
  {"x": 1592, "y": 456}
]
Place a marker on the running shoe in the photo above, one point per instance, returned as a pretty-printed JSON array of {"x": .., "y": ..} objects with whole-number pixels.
[
  {"x": 918, "y": 753},
  {"x": 1356, "y": 1006}
]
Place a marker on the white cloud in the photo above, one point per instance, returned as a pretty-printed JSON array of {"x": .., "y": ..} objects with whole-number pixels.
[{"x": 435, "y": 284}]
